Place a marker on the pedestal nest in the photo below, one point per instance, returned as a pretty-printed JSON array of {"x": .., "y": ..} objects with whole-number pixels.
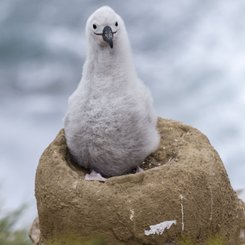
[{"x": 184, "y": 182}]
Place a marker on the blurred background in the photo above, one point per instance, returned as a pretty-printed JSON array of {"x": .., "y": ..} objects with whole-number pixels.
[{"x": 190, "y": 53}]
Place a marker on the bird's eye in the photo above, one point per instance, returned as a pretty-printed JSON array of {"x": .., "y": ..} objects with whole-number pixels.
[
  {"x": 116, "y": 24},
  {"x": 94, "y": 26}
]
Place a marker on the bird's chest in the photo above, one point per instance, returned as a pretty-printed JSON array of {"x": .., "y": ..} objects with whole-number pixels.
[
  {"x": 103, "y": 107},
  {"x": 108, "y": 110},
  {"x": 106, "y": 101},
  {"x": 100, "y": 118}
]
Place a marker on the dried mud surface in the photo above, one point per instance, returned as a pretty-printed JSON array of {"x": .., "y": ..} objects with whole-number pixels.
[{"x": 184, "y": 180}]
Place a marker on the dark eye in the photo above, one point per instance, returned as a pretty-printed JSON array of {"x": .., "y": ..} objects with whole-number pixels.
[
  {"x": 116, "y": 24},
  {"x": 94, "y": 26}
]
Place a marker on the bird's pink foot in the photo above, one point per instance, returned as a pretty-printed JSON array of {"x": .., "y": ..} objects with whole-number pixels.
[
  {"x": 95, "y": 176},
  {"x": 139, "y": 170}
]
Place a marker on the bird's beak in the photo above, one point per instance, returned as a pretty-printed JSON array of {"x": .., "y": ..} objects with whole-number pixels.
[{"x": 108, "y": 35}]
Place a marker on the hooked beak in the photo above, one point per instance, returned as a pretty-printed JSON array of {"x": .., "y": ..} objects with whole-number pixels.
[{"x": 108, "y": 35}]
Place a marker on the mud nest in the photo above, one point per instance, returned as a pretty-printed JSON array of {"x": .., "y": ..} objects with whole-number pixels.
[{"x": 184, "y": 182}]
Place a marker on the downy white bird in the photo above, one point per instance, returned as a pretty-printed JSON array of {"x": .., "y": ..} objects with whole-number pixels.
[{"x": 110, "y": 124}]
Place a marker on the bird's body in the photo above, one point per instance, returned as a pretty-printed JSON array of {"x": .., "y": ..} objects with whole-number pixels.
[{"x": 110, "y": 124}]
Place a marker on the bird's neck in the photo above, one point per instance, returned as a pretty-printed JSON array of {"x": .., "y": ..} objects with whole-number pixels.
[{"x": 111, "y": 63}]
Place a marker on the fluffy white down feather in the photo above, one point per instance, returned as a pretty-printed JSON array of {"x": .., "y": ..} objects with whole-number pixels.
[{"x": 110, "y": 124}]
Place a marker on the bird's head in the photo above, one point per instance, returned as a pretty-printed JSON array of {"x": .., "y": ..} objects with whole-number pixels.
[{"x": 103, "y": 27}]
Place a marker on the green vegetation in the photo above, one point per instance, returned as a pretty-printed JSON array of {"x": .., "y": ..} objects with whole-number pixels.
[
  {"x": 74, "y": 241},
  {"x": 216, "y": 241},
  {"x": 8, "y": 234},
  {"x": 212, "y": 241},
  {"x": 69, "y": 241}
]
